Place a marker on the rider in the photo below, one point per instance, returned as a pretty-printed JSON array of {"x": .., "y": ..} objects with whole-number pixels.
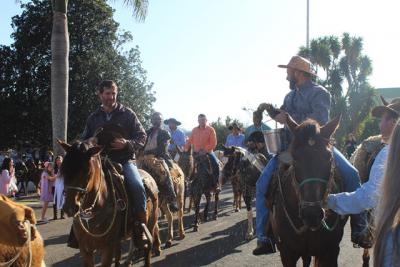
[
  {"x": 257, "y": 138},
  {"x": 112, "y": 112},
  {"x": 235, "y": 138},
  {"x": 204, "y": 141},
  {"x": 306, "y": 100},
  {"x": 257, "y": 126},
  {"x": 157, "y": 145},
  {"x": 366, "y": 197},
  {"x": 178, "y": 137}
]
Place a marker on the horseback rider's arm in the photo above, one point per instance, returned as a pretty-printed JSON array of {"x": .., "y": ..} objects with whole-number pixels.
[
  {"x": 366, "y": 196},
  {"x": 137, "y": 134},
  {"x": 212, "y": 141}
]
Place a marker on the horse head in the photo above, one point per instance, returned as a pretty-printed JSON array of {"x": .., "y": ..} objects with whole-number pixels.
[
  {"x": 234, "y": 156},
  {"x": 186, "y": 161},
  {"x": 313, "y": 163},
  {"x": 80, "y": 168}
]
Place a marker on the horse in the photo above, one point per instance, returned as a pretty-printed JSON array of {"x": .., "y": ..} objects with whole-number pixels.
[
  {"x": 20, "y": 242},
  {"x": 300, "y": 186},
  {"x": 203, "y": 182},
  {"x": 186, "y": 163},
  {"x": 245, "y": 167},
  {"x": 362, "y": 159},
  {"x": 97, "y": 199},
  {"x": 153, "y": 165}
]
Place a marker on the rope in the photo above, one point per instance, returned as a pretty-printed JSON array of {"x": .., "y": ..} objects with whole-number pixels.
[
  {"x": 87, "y": 231},
  {"x": 28, "y": 242}
]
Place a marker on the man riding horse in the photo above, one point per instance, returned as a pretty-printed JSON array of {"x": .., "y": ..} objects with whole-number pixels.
[
  {"x": 204, "y": 140},
  {"x": 157, "y": 146},
  {"x": 306, "y": 100},
  {"x": 112, "y": 112}
]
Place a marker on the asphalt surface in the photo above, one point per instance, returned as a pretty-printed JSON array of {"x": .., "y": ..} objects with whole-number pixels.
[{"x": 217, "y": 243}]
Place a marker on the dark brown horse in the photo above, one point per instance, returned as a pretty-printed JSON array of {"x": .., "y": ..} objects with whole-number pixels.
[
  {"x": 186, "y": 162},
  {"x": 203, "y": 182},
  {"x": 97, "y": 200},
  {"x": 247, "y": 167},
  {"x": 300, "y": 224}
]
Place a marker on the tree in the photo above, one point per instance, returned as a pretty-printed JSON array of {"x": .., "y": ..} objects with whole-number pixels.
[
  {"x": 25, "y": 70},
  {"x": 221, "y": 129},
  {"x": 60, "y": 64},
  {"x": 341, "y": 63}
]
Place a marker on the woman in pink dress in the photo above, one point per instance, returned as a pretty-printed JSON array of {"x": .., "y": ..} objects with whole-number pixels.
[
  {"x": 7, "y": 173},
  {"x": 46, "y": 184}
]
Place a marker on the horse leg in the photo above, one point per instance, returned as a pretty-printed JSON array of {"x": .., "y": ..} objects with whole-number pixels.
[
  {"x": 196, "y": 201},
  {"x": 288, "y": 258},
  {"x": 107, "y": 256},
  {"x": 216, "y": 205},
  {"x": 250, "y": 229},
  {"x": 180, "y": 217},
  {"x": 328, "y": 259},
  {"x": 208, "y": 200},
  {"x": 88, "y": 259},
  {"x": 117, "y": 253},
  {"x": 306, "y": 261},
  {"x": 240, "y": 200},
  {"x": 170, "y": 220},
  {"x": 156, "y": 240},
  {"x": 366, "y": 258}
]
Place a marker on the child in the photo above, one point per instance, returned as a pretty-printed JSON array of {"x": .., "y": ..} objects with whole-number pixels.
[
  {"x": 46, "y": 184},
  {"x": 59, "y": 189}
]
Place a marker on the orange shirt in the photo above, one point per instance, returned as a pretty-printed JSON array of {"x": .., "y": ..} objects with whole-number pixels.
[{"x": 202, "y": 138}]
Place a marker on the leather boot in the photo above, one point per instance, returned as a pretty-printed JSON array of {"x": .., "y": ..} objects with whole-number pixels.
[
  {"x": 55, "y": 212},
  {"x": 139, "y": 237},
  {"x": 62, "y": 214}
]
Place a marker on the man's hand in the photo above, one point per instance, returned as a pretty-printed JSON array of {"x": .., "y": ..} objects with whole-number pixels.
[
  {"x": 118, "y": 143},
  {"x": 281, "y": 117}
]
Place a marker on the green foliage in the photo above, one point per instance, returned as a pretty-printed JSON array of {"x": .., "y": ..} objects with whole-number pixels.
[
  {"x": 221, "y": 129},
  {"x": 96, "y": 53},
  {"x": 346, "y": 71}
]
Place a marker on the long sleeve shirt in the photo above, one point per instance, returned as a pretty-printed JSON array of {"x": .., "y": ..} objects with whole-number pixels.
[
  {"x": 5, "y": 179},
  {"x": 235, "y": 140},
  {"x": 202, "y": 139},
  {"x": 252, "y": 128},
  {"x": 366, "y": 196},
  {"x": 178, "y": 138}
]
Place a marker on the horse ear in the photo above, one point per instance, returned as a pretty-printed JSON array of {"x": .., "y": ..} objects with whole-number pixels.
[
  {"x": 93, "y": 151},
  {"x": 291, "y": 123},
  {"x": 64, "y": 145},
  {"x": 328, "y": 129},
  {"x": 384, "y": 101}
]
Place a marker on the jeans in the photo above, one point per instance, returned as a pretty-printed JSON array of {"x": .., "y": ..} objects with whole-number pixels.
[
  {"x": 135, "y": 187},
  {"x": 351, "y": 182}
]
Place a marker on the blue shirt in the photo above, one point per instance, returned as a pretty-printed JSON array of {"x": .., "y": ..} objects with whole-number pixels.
[
  {"x": 235, "y": 140},
  {"x": 252, "y": 128},
  {"x": 309, "y": 101},
  {"x": 178, "y": 138}
]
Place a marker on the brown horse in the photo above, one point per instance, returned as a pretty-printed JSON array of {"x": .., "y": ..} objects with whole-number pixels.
[
  {"x": 96, "y": 198},
  {"x": 300, "y": 224},
  {"x": 186, "y": 163},
  {"x": 20, "y": 242},
  {"x": 155, "y": 167},
  {"x": 246, "y": 167}
]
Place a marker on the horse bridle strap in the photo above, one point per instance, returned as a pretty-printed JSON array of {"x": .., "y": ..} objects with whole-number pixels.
[
  {"x": 312, "y": 180},
  {"x": 76, "y": 188}
]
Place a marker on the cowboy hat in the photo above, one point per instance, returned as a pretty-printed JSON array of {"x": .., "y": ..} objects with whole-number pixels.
[
  {"x": 301, "y": 64},
  {"x": 233, "y": 125},
  {"x": 393, "y": 107},
  {"x": 173, "y": 120}
]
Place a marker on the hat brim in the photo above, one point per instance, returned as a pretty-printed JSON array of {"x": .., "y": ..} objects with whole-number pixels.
[
  {"x": 380, "y": 110},
  {"x": 230, "y": 128},
  {"x": 291, "y": 67},
  {"x": 174, "y": 121}
]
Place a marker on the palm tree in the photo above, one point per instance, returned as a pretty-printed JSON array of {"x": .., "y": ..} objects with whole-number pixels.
[{"x": 60, "y": 65}]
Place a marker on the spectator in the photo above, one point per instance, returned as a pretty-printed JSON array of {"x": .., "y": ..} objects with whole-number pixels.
[
  {"x": 235, "y": 138},
  {"x": 387, "y": 242},
  {"x": 46, "y": 184},
  {"x": 350, "y": 145},
  {"x": 58, "y": 189},
  {"x": 7, "y": 173}
]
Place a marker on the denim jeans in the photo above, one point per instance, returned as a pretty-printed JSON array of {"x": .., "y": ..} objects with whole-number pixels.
[
  {"x": 349, "y": 174},
  {"x": 135, "y": 187}
]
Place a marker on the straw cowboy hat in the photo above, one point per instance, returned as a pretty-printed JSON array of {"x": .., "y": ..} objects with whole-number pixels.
[
  {"x": 301, "y": 64},
  {"x": 233, "y": 125},
  {"x": 393, "y": 107},
  {"x": 173, "y": 120}
]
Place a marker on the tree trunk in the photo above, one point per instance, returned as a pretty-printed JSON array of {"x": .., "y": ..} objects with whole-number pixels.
[{"x": 59, "y": 74}]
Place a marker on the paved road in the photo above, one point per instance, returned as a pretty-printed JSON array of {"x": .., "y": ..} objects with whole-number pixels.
[{"x": 218, "y": 243}]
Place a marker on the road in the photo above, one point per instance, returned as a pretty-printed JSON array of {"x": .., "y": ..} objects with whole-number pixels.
[{"x": 218, "y": 243}]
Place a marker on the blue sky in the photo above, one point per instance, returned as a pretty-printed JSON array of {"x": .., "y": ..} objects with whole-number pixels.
[{"x": 217, "y": 56}]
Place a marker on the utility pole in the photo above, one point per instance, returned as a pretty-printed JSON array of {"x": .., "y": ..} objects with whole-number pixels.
[{"x": 308, "y": 25}]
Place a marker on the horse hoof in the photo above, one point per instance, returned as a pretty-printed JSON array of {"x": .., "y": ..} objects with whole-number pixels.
[
  {"x": 157, "y": 253},
  {"x": 195, "y": 228},
  {"x": 249, "y": 237},
  {"x": 182, "y": 236},
  {"x": 215, "y": 217},
  {"x": 168, "y": 244},
  {"x": 236, "y": 210}
]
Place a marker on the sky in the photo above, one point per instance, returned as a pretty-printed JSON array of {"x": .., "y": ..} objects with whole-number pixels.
[{"x": 218, "y": 56}]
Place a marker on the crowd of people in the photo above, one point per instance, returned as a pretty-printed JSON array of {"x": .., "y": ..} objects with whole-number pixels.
[{"x": 306, "y": 100}]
